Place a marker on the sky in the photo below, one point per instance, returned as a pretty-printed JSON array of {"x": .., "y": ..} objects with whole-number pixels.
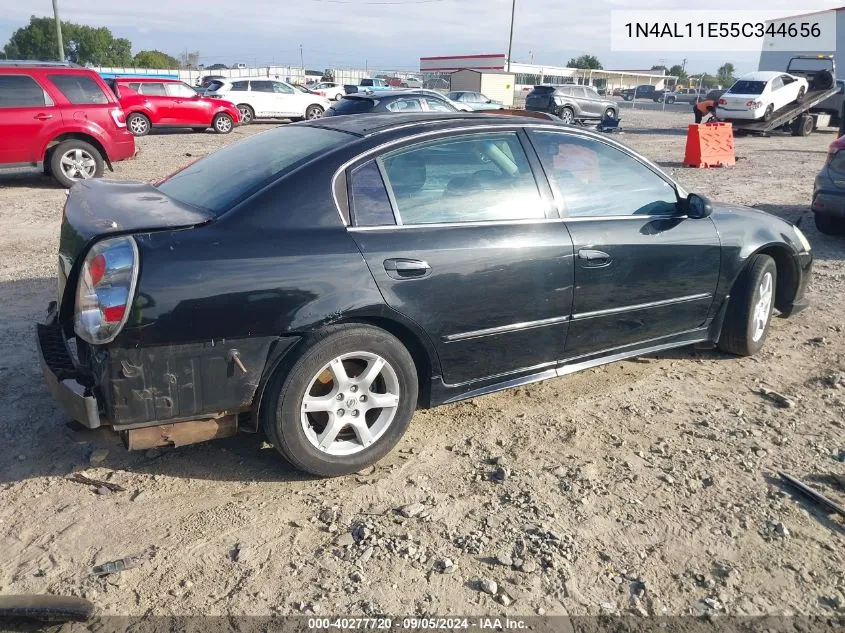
[{"x": 381, "y": 34}]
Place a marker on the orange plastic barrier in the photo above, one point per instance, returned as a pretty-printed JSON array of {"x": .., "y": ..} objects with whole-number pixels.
[{"x": 710, "y": 145}]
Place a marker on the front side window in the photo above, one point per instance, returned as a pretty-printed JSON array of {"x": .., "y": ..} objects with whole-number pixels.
[
  {"x": 180, "y": 90},
  {"x": 471, "y": 178},
  {"x": 79, "y": 89},
  {"x": 240, "y": 85},
  {"x": 20, "y": 91},
  {"x": 594, "y": 179},
  {"x": 282, "y": 88}
]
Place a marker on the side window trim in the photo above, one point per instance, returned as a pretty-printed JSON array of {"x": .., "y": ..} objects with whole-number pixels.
[{"x": 391, "y": 196}]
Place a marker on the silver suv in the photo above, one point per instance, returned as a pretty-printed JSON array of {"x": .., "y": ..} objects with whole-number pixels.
[{"x": 571, "y": 103}]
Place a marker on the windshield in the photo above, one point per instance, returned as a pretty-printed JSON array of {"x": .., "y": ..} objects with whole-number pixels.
[
  {"x": 746, "y": 87},
  {"x": 222, "y": 179},
  {"x": 809, "y": 65}
]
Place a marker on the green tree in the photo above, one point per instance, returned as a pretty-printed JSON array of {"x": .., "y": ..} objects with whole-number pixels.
[
  {"x": 587, "y": 62},
  {"x": 83, "y": 44},
  {"x": 725, "y": 74},
  {"x": 678, "y": 71},
  {"x": 659, "y": 67},
  {"x": 154, "y": 59}
]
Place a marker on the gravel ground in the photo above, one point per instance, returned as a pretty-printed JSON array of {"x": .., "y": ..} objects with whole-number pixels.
[{"x": 644, "y": 487}]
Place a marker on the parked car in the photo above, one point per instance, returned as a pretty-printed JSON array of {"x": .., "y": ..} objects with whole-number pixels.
[
  {"x": 61, "y": 118},
  {"x": 206, "y": 80},
  {"x": 403, "y": 101},
  {"x": 262, "y": 98},
  {"x": 429, "y": 259},
  {"x": 829, "y": 191},
  {"x": 150, "y": 102},
  {"x": 758, "y": 95},
  {"x": 329, "y": 89},
  {"x": 458, "y": 105},
  {"x": 644, "y": 91},
  {"x": 474, "y": 100},
  {"x": 684, "y": 95},
  {"x": 571, "y": 103}
]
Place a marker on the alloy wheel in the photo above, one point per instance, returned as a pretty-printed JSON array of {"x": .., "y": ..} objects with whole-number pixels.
[
  {"x": 246, "y": 114},
  {"x": 567, "y": 116},
  {"x": 763, "y": 307},
  {"x": 314, "y": 112},
  {"x": 138, "y": 125},
  {"x": 223, "y": 124},
  {"x": 350, "y": 403},
  {"x": 77, "y": 164}
]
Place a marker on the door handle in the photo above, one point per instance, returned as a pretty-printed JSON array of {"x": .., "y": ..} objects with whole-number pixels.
[
  {"x": 178, "y": 101},
  {"x": 593, "y": 259},
  {"x": 42, "y": 116},
  {"x": 406, "y": 268}
]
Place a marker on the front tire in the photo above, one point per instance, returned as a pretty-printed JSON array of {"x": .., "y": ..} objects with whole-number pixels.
[
  {"x": 343, "y": 403},
  {"x": 222, "y": 123},
  {"x": 74, "y": 160},
  {"x": 750, "y": 308},
  {"x": 138, "y": 124},
  {"x": 610, "y": 113}
]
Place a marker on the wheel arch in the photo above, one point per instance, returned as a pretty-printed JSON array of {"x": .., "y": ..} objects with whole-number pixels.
[
  {"x": 79, "y": 136},
  {"x": 789, "y": 274}
]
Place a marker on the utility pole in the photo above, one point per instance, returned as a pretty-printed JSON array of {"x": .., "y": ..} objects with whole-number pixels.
[
  {"x": 684, "y": 64},
  {"x": 510, "y": 39},
  {"x": 59, "y": 30},
  {"x": 302, "y": 62}
]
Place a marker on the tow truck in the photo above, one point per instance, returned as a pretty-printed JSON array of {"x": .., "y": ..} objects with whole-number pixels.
[{"x": 799, "y": 118}]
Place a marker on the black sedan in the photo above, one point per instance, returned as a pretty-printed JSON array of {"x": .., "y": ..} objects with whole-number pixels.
[
  {"x": 829, "y": 191},
  {"x": 429, "y": 259},
  {"x": 398, "y": 101}
]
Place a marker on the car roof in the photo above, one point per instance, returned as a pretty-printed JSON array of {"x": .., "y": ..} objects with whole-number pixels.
[
  {"x": 374, "y": 96},
  {"x": 371, "y": 124},
  {"x": 761, "y": 75}
]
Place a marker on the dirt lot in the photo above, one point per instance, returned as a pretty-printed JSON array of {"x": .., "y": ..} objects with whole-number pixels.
[{"x": 644, "y": 487}]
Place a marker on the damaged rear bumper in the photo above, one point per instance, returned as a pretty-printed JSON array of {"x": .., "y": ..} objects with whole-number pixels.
[
  {"x": 132, "y": 388},
  {"x": 62, "y": 380}
]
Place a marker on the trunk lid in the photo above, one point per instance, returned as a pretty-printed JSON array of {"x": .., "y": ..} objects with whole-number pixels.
[
  {"x": 95, "y": 208},
  {"x": 738, "y": 102}
]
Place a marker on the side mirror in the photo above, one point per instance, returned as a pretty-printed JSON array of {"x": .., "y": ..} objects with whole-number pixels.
[{"x": 698, "y": 206}]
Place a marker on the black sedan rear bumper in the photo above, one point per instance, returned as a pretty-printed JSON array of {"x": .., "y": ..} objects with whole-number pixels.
[
  {"x": 60, "y": 374},
  {"x": 829, "y": 202}
]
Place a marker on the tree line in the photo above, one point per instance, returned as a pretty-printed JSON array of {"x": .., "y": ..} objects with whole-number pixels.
[
  {"x": 724, "y": 76},
  {"x": 85, "y": 45}
]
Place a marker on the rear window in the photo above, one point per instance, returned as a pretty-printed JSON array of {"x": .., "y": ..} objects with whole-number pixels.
[
  {"x": 354, "y": 106},
  {"x": 214, "y": 85},
  {"x": 544, "y": 90},
  {"x": 79, "y": 89},
  {"x": 220, "y": 180},
  {"x": 746, "y": 87},
  {"x": 20, "y": 91},
  {"x": 809, "y": 65}
]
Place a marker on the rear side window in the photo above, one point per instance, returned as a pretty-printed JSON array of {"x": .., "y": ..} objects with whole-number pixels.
[
  {"x": 436, "y": 105},
  {"x": 405, "y": 105},
  {"x": 152, "y": 89},
  {"x": 262, "y": 86},
  {"x": 370, "y": 204},
  {"x": 222, "y": 179},
  {"x": 180, "y": 90},
  {"x": 354, "y": 106},
  {"x": 471, "y": 178},
  {"x": 79, "y": 89},
  {"x": 594, "y": 179},
  {"x": 20, "y": 91}
]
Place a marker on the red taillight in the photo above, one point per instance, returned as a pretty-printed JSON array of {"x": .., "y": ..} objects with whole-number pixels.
[
  {"x": 723, "y": 102},
  {"x": 114, "y": 314},
  {"x": 97, "y": 268},
  {"x": 118, "y": 117},
  {"x": 105, "y": 289}
]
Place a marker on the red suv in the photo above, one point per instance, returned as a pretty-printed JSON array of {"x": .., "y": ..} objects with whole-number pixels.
[
  {"x": 61, "y": 117},
  {"x": 153, "y": 102}
]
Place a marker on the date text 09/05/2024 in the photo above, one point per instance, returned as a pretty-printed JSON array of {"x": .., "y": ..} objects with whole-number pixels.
[
  {"x": 414, "y": 623},
  {"x": 722, "y": 29}
]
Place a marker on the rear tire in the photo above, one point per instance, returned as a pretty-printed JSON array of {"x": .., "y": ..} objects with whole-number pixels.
[
  {"x": 769, "y": 112},
  {"x": 750, "y": 306},
  {"x": 138, "y": 124},
  {"x": 670, "y": 100},
  {"x": 331, "y": 370},
  {"x": 247, "y": 113},
  {"x": 75, "y": 160},
  {"x": 567, "y": 115},
  {"x": 829, "y": 224},
  {"x": 802, "y": 126},
  {"x": 801, "y": 93}
]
